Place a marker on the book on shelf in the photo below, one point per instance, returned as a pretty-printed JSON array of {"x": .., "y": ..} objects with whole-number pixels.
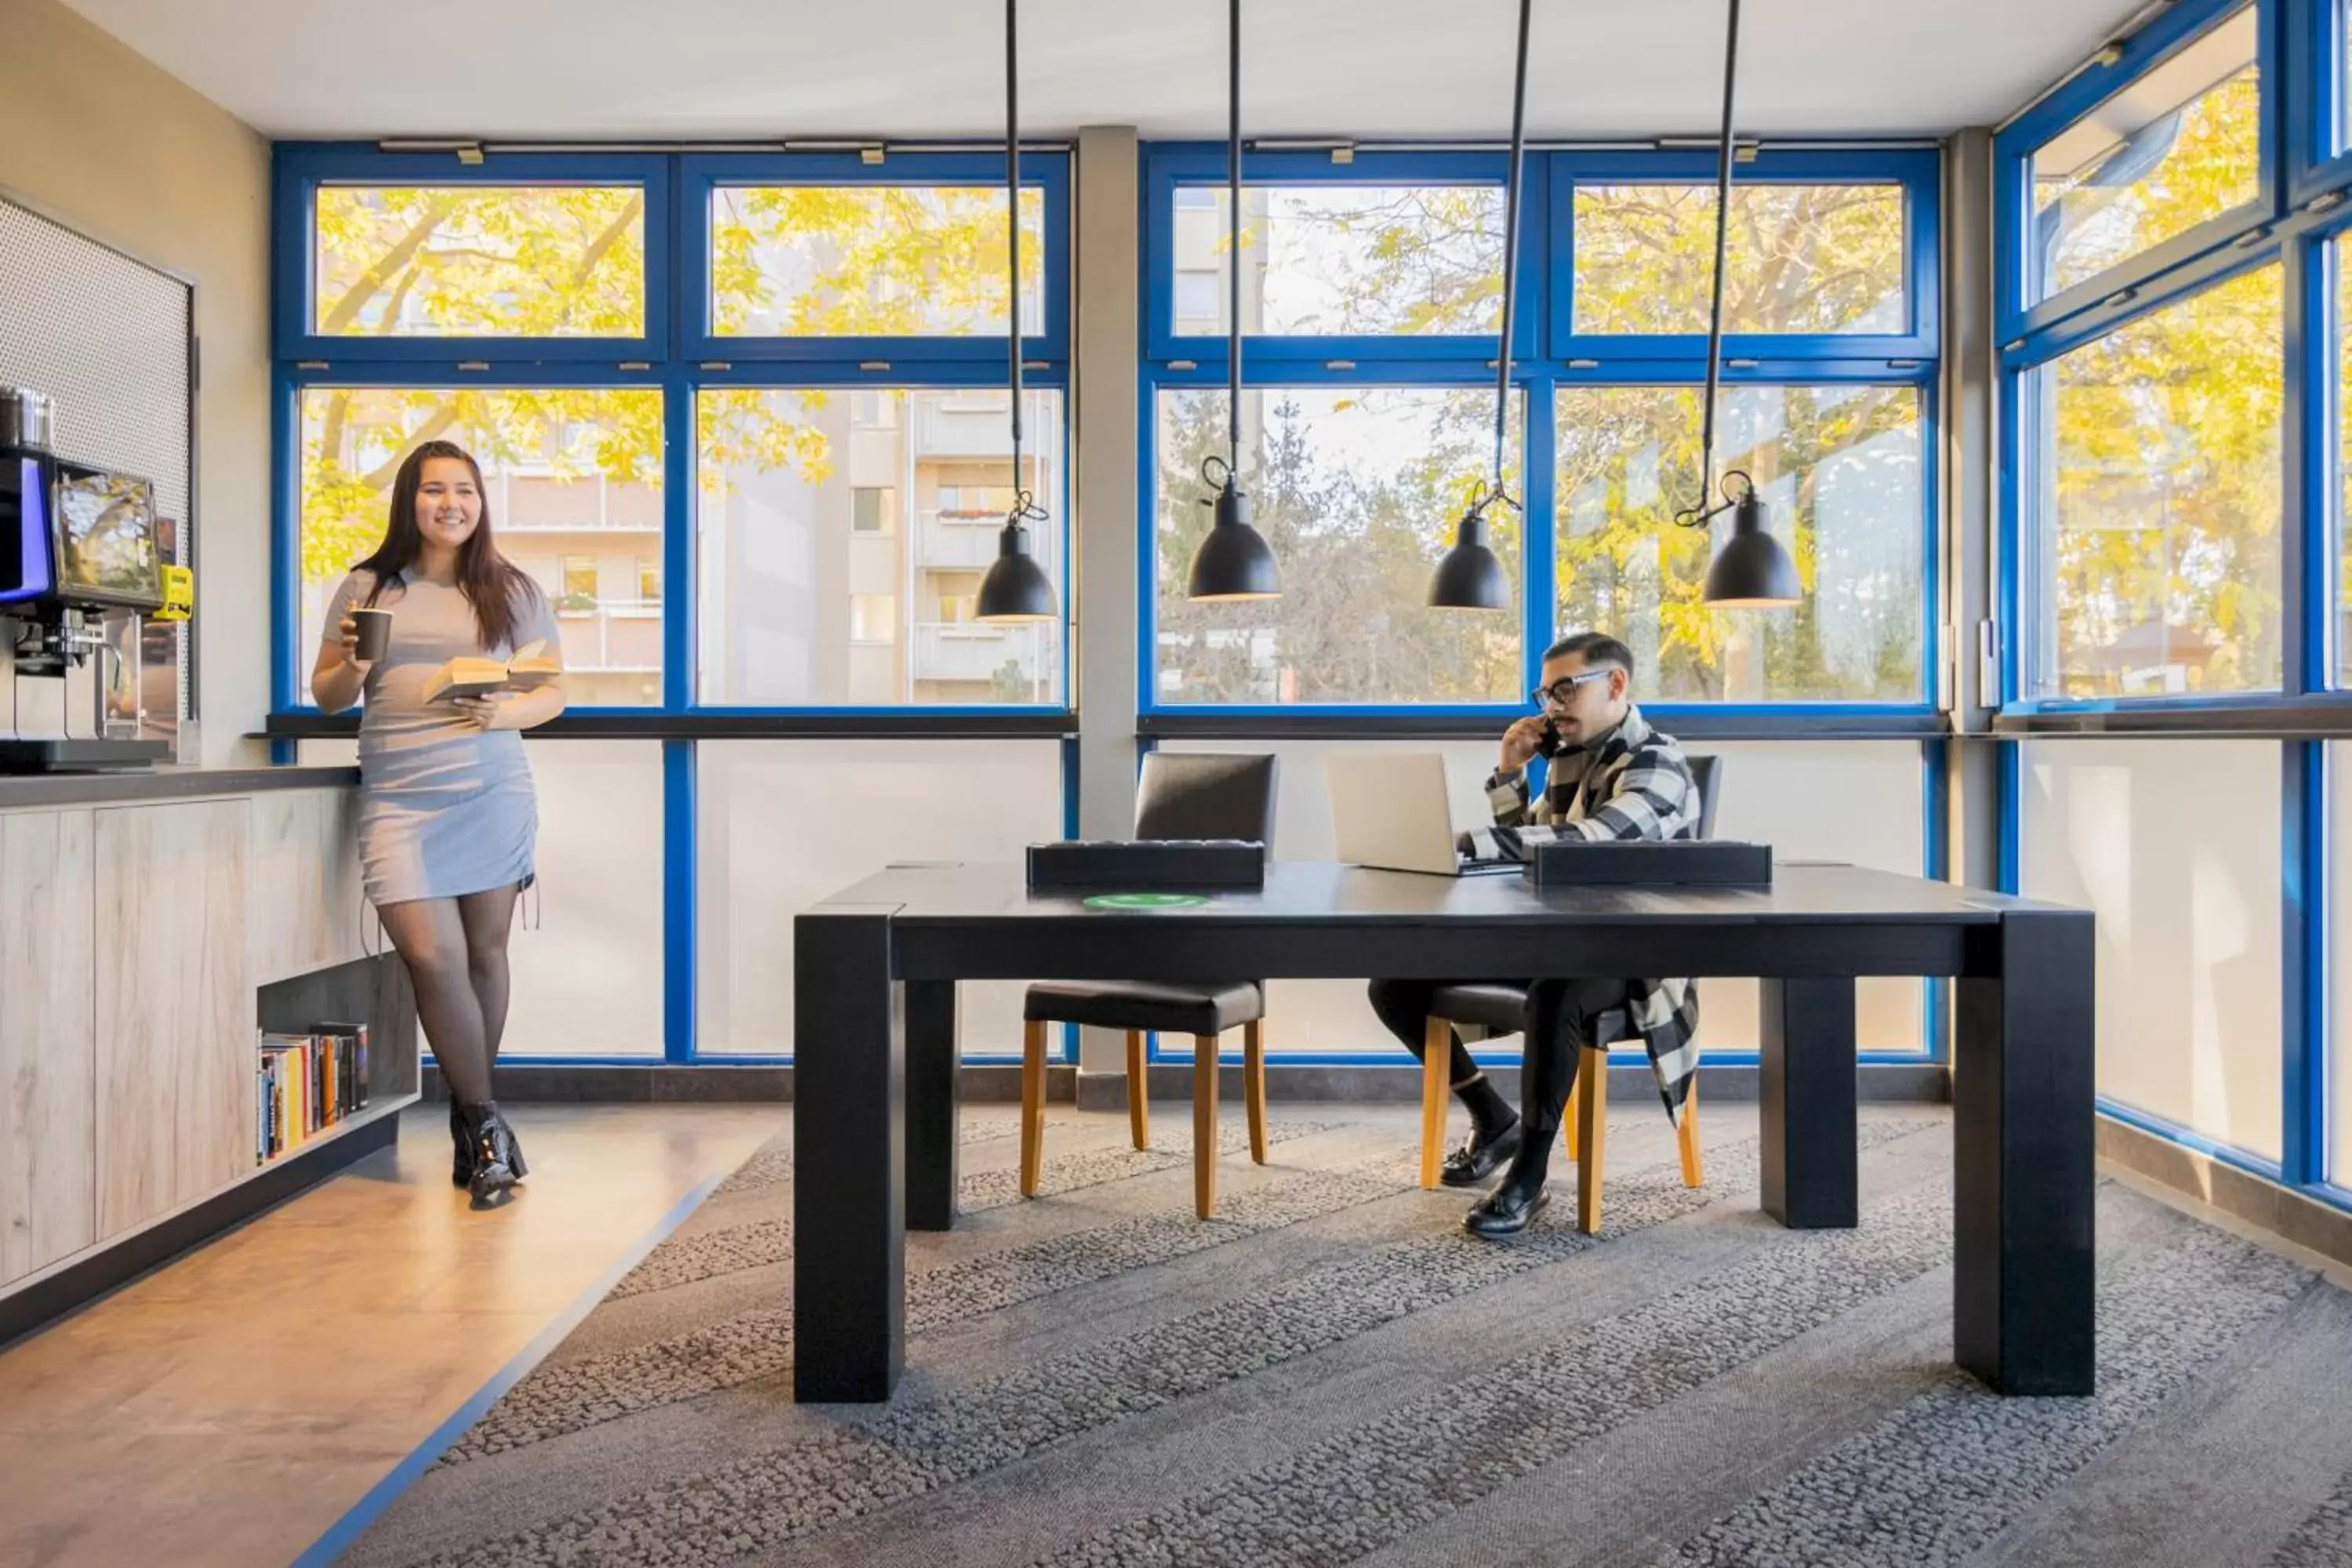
[
  {"x": 304, "y": 1085},
  {"x": 475, "y": 674}
]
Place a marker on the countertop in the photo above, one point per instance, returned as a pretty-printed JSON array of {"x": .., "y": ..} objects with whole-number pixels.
[{"x": 163, "y": 784}]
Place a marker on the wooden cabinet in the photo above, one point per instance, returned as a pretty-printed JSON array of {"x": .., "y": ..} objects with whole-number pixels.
[
  {"x": 302, "y": 882},
  {"x": 142, "y": 941},
  {"x": 47, "y": 1045},
  {"x": 175, "y": 1015}
]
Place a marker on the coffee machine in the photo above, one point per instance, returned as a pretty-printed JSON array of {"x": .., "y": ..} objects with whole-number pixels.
[{"x": 76, "y": 543}]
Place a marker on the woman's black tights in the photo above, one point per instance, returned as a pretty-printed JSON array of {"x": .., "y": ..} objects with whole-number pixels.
[{"x": 455, "y": 951}]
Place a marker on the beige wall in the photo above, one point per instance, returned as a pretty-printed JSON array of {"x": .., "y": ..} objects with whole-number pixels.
[{"x": 95, "y": 135}]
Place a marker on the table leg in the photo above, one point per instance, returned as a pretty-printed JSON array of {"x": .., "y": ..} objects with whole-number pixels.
[
  {"x": 2023, "y": 1082},
  {"x": 932, "y": 1132},
  {"x": 1807, "y": 1087},
  {"x": 849, "y": 1170}
]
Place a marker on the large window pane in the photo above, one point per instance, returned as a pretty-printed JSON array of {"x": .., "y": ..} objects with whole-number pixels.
[
  {"x": 843, "y": 536},
  {"x": 450, "y": 262},
  {"x": 2181, "y": 144},
  {"x": 840, "y": 262},
  {"x": 2156, "y": 501},
  {"x": 1357, "y": 490},
  {"x": 1838, "y": 468},
  {"x": 1335, "y": 259},
  {"x": 573, "y": 479},
  {"x": 1798, "y": 258}
]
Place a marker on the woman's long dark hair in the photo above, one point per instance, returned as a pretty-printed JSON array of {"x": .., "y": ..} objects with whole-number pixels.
[{"x": 491, "y": 583}]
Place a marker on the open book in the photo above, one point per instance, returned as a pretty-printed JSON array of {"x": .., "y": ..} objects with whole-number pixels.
[{"x": 470, "y": 675}]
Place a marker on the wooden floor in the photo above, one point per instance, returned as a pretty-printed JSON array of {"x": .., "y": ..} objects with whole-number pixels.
[{"x": 230, "y": 1408}]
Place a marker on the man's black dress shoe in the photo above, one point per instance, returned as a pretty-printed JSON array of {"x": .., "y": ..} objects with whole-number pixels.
[
  {"x": 1474, "y": 1162},
  {"x": 1506, "y": 1211}
]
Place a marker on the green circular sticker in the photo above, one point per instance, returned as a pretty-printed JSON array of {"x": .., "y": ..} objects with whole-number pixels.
[{"x": 1145, "y": 901}]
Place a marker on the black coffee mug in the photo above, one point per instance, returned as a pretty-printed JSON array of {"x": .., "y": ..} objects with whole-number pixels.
[{"x": 374, "y": 638}]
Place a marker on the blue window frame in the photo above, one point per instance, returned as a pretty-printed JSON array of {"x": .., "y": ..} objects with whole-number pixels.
[
  {"x": 304, "y": 174},
  {"x": 1908, "y": 177},
  {"x": 658, "y": 212},
  {"x": 2173, "y": 39},
  {"x": 2293, "y": 227},
  {"x": 1044, "y": 177},
  {"x": 1183, "y": 186},
  {"x": 676, "y": 351},
  {"x": 1191, "y": 177},
  {"x": 2282, "y": 228}
]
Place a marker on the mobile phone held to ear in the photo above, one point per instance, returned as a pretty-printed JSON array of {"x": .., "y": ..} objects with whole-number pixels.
[{"x": 1548, "y": 742}]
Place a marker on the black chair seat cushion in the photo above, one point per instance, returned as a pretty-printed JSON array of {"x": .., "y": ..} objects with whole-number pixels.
[
  {"x": 1503, "y": 1009},
  {"x": 1139, "y": 1005}
]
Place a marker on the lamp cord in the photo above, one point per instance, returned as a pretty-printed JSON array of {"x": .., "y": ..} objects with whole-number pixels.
[
  {"x": 1234, "y": 201},
  {"x": 1694, "y": 516},
  {"x": 1510, "y": 258},
  {"x": 1022, "y": 507}
]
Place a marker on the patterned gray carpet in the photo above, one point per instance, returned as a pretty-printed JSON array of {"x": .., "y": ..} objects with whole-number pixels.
[{"x": 1330, "y": 1372}]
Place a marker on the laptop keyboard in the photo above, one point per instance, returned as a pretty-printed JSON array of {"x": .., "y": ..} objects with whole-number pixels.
[{"x": 1468, "y": 867}]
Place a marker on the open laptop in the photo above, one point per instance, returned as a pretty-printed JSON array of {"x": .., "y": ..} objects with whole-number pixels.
[{"x": 1390, "y": 810}]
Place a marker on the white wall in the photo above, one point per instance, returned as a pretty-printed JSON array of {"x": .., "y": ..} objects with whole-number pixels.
[
  {"x": 1857, "y": 801},
  {"x": 99, "y": 138},
  {"x": 2173, "y": 843},
  {"x": 785, "y": 824}
]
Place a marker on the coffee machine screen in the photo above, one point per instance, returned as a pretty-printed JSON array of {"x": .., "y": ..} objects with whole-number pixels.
[{"x": 106, "y": 539}]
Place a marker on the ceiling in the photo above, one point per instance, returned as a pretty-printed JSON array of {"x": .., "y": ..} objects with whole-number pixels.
[{"x": 913, "y": 68}]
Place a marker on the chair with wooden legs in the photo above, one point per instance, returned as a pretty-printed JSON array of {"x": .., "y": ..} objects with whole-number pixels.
[
  {"x": 1178, "y": 796},
  {"x": 1501, "y": 1009},
  {"x": 1205, "y": 1015}
]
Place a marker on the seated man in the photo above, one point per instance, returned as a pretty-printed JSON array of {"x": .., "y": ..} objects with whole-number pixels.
[{"x": 1612, "y": 777}]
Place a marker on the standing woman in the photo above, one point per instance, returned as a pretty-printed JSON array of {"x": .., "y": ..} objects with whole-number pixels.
[{"x": 447, "y": 816}]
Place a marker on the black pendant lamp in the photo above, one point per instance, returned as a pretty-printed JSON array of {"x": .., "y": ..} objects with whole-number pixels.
[
  {"x": 1233, "y": 560},
  {"x": 1752, "y": 570},
  {"x": 1471, "y": 577},
  {"x": 1015, "y": 588}
]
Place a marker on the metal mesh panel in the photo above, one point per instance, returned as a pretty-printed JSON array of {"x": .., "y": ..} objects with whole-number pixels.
[{"x": 109, "y": 340}]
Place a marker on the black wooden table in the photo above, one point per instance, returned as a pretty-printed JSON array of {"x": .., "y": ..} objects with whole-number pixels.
[{"x": 875, "y": 1052}]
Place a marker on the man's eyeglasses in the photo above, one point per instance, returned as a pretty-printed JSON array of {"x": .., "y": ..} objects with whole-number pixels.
[{"x": 1562, "y": 692}]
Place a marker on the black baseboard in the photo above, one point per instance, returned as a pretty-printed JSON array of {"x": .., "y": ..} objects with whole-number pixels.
[
  {"x": 1897, "y": 1082},
  {"x": 116, "y": 1264},
  {"x": 643, "y": 1083}
]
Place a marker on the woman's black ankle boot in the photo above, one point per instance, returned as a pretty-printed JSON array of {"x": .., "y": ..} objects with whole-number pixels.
[
  {"x": 497, "y": 1162},
  {"x": 461, "y": 1165}
]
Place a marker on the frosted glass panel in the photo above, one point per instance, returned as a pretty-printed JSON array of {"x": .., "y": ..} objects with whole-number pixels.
[
  {"x": 588, "y": 979},
  {"x": 1856, "y": 801},
  {"x": 2338, "y": 1153},
  {"x": 786, "y": 824},
  {"x": 2175, "y": 844},
  {"x": 1332, "y": 1015}
]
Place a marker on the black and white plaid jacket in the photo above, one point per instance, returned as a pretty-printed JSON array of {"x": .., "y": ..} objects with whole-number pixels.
[{"x": 1632, "y": 782}]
